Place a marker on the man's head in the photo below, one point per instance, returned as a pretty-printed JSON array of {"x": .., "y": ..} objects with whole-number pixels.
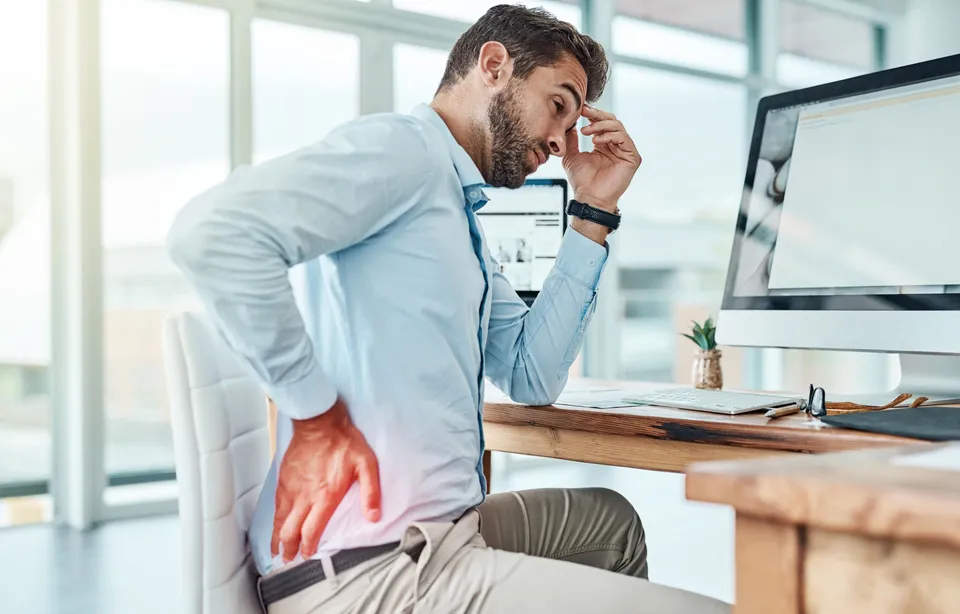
[{"x": 522, "y": 76}]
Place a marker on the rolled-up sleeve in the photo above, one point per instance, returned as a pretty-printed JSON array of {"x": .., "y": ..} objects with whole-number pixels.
[
  {"x": 529, "y": 350},
  {"x": 236, "y": 242}
]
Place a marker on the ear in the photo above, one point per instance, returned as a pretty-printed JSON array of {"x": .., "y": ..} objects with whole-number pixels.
[{"x": 495, "y": 64}]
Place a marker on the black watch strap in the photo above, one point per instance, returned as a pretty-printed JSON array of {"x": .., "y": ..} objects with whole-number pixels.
[{"x": 599, "y": 216}]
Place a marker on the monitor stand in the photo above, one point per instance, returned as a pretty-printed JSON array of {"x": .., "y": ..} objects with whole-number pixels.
[{"x": 929, "y": 375}]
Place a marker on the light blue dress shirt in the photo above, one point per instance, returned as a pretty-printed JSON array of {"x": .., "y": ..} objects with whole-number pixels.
[{"x": 408, "y": 314}]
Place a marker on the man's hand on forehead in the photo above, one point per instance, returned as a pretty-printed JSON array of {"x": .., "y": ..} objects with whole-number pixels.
[
  {"x": 599, "y": 177},
  {"x": 609, "y": 136}
]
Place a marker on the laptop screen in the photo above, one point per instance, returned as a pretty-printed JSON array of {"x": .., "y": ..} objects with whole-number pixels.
[{"x": 524, "y": 228}]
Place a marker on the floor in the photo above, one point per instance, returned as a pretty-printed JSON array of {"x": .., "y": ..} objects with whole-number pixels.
[
  {"x": 133, "y": 565},
  {"x": 119, "y": 568}
]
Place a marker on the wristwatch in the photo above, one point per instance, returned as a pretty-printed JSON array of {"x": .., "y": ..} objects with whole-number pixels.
[{"x": 599, "y": 216}]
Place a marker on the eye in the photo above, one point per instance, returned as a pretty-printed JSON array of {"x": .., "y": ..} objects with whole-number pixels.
[{"x": 559, "y": 106}]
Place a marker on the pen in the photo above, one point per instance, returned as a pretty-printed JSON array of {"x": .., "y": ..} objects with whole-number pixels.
[{"x": 778, "y": 412}]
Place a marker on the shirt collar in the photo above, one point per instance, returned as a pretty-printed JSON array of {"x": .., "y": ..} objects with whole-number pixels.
[{"x": 470, "y": 178}]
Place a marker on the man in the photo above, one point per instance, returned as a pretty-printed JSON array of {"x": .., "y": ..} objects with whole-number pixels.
[{"x": 375, "y": 501}]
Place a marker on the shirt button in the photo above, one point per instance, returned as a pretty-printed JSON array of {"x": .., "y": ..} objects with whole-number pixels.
[
  {"x": 474, "y": 194},
  {"x": 591, "y": 262}
]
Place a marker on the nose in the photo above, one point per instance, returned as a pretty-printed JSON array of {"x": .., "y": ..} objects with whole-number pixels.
[{"x": 558, "y": 145}]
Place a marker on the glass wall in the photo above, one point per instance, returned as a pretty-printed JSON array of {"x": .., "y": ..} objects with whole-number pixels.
[
  {"x": 417, "y": 72},
  {"x": 684, "y": 48},
  {"x": 25, "y": 401},
  {"x": 176, "y": 106},
  {"x": 683, "y": 203},
  {"x": 299, "y": 95},
  {"x": 718, "y": 18},
  {"x": 165, "y": 139},
  {"x": 470, "y": 10},
  {"x": 819, "y": 46},
  {"x": 679, "y": 88}
]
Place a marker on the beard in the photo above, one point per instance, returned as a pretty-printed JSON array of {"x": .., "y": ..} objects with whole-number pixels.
[{"x": 510, "y": 143}]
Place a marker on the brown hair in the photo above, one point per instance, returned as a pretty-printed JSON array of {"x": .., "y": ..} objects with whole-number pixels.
[{"x": 533, "y": 38}]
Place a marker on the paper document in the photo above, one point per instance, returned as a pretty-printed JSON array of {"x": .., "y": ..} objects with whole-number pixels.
[
  {"x": 946, "y": 458},
  {"x": 596, "y": 399}
]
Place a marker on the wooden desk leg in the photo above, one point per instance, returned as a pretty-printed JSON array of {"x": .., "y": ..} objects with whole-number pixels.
[
  {"x": 769, "y": 564},
  {"x": 487, "y": 471}
]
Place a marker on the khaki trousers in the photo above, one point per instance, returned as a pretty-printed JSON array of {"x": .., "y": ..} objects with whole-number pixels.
[{"x": 555, "y": 551}]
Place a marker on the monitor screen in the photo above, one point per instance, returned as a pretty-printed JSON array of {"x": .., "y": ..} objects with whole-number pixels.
[
  {"x": 852, "y": 196},
  {"x": 524, "y": 228}
]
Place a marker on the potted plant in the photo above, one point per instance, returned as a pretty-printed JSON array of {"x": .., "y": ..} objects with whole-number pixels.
[{"x": 707, "y": 372}]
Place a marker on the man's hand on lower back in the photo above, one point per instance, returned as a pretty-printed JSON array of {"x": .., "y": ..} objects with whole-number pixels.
[{"x": 327, "y": 454}]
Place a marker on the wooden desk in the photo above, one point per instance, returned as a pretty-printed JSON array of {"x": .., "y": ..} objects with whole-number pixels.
[
  {"x": 846, "y": 533},
  {"x": 659, "y": 438}
]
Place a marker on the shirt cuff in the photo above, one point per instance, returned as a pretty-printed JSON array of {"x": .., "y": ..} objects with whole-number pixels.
[
  {"x": 581, "y": 258},
  {"x": 306, "y": 398}
]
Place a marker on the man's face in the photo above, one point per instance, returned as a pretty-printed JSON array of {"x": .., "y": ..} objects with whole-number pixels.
[{"x": 531, "y": 119}]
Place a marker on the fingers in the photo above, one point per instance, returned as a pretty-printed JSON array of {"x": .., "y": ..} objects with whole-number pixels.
[
  {"x": 594, "y": 114},
  {"x": 314, "y": 526},
  {"x": 368, "y": 474},
  {"x": 612, "y": 133},
  {"x": 607, "y": 129},
  {"x": 619, "y": 145},
  {"x": 619, "y": 138},
  {"x": 291, "y": 530},
  {"x": 283, "y": 504},
  {"x": 601, "y": 126},
  {"x": 572, "y": 143}
]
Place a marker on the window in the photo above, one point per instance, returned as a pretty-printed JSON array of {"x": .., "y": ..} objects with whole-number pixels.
[
  {"x": 165, "y": 139},
  {"x": 722, "y": 18},
  {"x": 417, "y": 72},
  {"x": 827, "y": 36},
  {"x": 796, "y": 71},
  {"x": 819, "y": 46},
  {"x": 471, "y": 10},
  {"x": 680, "y": 208},
  {"x": 670, "y": 45},
  {"x": 299, "y": 94},
  {"x": 692, "y": 133},
  {"x": 25, "y": 411}
]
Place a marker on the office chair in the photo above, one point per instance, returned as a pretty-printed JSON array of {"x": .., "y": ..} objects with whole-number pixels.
[{"x": 222, "y": 454}]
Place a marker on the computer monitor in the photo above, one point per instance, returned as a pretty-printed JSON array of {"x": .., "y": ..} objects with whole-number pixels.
[
  {"x": 849, "y": 217},
  {"x": 524, "y": 228}
]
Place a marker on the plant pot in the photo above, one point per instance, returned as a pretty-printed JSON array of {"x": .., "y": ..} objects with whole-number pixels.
[{"x": 707, "y": 371}]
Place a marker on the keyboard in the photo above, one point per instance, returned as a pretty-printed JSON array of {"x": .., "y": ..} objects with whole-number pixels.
[{"x": 716, "y": 401}]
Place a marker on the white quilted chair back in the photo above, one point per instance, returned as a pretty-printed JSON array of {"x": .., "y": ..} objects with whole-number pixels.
[{"x": 222, "y": 453}]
